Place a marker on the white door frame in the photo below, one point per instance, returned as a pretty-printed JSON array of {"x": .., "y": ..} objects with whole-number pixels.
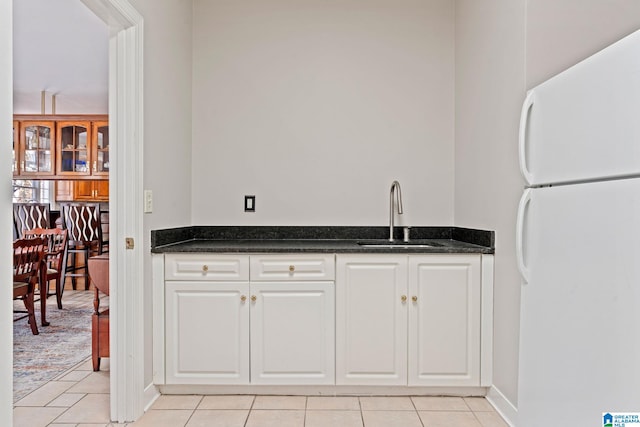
[
  {"x": 125, "y": 205},
  {"x": 6, "y": 116},
  {"x": 125, "y": 188}
]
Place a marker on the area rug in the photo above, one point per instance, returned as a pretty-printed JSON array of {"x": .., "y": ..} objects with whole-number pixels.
[{"x": 59, "y": 347}]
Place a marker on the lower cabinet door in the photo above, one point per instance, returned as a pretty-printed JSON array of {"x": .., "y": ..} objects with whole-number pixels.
[
  {"x": 371, "y": 319},
  {"x": 444, "y": 320},
  {"x": 207, "y": 333},
  {"x": 292, "y": 333}
]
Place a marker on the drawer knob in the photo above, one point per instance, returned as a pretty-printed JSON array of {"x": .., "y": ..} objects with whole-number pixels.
[
  {"x": 205, "y": 268},
  {"x": 243, "y": 298},
  {"x": 414, "y": 298},
  {"x": 253, "y": 298},
  {"x": 292, "y": 268},
  {"x": 403, "y": 298}
]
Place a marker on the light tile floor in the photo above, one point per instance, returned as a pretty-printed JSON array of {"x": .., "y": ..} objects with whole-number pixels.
[
  {"x": 80, "y": 398},
  {"x": 77, "y": 398}
]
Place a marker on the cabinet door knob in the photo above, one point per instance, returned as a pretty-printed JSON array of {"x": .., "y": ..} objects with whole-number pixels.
[
  {"x": 243, "y": 298},
  {"x": 292, "y": 268},
  {"x": 403, "y": 298},
  {"x": 253, "y": 298},
  {"x": 414, "y": 298},
  {"x": 205, "y": 268}
]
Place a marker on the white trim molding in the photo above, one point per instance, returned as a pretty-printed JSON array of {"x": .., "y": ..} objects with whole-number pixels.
[
  {"x": 125, "y": 186},
  {"x": 503, "y": 406},
  {"x": 486, "y": 322},
  {"x": 157, "y": 273},
  {"x": 151, "y": 394},
  {"x": 6, "y": 296}
]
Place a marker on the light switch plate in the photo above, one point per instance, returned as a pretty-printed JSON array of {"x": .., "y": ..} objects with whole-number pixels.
[
  {"x": 249, "y": 203},
  {"x": 148, "y": 201}
]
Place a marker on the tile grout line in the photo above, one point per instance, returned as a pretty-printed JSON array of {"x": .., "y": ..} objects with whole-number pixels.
[
  {"x": 193, "y": 411},
  {"x": 306, "y": 406},
  {"x": 246, "y": 420},
  {"x": 66, "y": 410},
  {"x": 416, "y": 410}
]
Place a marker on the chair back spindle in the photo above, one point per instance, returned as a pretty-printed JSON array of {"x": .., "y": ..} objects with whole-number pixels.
[{"x": 56, "y": 241}]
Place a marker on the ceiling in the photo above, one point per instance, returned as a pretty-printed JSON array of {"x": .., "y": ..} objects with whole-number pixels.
[{"x": 60, "y": 47}]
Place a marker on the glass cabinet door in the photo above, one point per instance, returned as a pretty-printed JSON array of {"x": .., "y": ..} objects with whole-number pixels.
[
  {"x": 37, "y": 153},
  {"x": 100, "y": 155},
  {"x": 73, "y": 149},
  {"x": 16, "y": 148}
]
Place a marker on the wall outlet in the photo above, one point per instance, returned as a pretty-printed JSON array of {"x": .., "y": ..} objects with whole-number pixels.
[
  {"x": 148, "y": 201},
  {"x": 249, "y": 203}
]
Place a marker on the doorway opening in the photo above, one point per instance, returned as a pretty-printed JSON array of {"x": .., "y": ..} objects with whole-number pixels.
[{"x": 126, "y": 267}]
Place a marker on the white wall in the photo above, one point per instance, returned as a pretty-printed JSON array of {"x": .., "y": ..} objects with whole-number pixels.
[
  {"x": 167, "y": 128},
  {"x": 562, "y": 33},
  {"x": 490, "y": 86},
  {"x": 61, "y": 47},
  {"x": 31, "y": 103},
  {"x": 317, "y": 106},
  {"x": 504, "y": 47}
]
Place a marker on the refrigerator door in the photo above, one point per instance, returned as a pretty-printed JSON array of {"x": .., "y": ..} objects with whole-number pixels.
[
  {"x": 582, "y": 124},
  {"x": 580, "y": 310}
]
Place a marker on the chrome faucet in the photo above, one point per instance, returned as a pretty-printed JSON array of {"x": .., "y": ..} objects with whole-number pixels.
[{"x": 395, "y": 185}]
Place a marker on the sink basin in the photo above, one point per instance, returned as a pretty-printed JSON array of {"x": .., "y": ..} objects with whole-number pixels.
[{"x": 400, "y": 245}]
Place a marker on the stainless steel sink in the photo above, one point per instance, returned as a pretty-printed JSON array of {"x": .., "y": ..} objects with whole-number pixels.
[{"x": 400, "y": 245}]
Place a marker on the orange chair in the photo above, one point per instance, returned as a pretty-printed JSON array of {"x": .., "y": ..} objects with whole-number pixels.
[
  {"x": 99, "y": 272},
  {"x": 56, "y": 255},
  {"x": 28, "y": 256}
]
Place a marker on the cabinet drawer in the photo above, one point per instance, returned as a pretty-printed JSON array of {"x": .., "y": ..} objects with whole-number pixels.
[
  {"x": 292, "y": 267},
  {"x": 206, "y": 267}
]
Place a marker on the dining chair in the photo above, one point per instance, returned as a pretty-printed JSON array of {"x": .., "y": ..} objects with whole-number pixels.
[
  {"x": 56, "y": 239},
  {"x": 27, "y": 216},
  {"x": 82, "y": 221},
  {"x": 28, "y": 255}
]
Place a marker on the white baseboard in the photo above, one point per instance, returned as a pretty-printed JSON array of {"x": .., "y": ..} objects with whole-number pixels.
[
  {"x": 151, "y": 394},
  {"x": 320, "y": 390},
  {"x": 503, "y": 406}
]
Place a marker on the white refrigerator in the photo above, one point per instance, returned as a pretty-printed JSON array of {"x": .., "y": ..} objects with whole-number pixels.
[{"x": 578, "y": 242}]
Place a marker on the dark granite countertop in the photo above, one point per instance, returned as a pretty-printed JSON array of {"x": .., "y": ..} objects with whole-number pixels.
[{"x": 325, "y": 239}]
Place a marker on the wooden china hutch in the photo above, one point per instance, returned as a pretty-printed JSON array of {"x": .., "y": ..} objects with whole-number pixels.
[{"x": 71, "y": 150}]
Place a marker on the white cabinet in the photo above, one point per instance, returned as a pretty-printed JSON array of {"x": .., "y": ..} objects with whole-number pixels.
[
  {"x": 292, "y": 333},
  {"x": 292, "y": 319},
  {"x": 371, "y": 320},
  {"x": 206, "y": 267},
  {"x": 408, "y": 319},
  {"x": 323, "y": 319},
  {"x": 207, "y": 333},
  {"x": 444, "y": 320},
  {"x": 225, "y": 325},
  {"x": 207, "y": 319},
  {"x": 287, "y": 267}
]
